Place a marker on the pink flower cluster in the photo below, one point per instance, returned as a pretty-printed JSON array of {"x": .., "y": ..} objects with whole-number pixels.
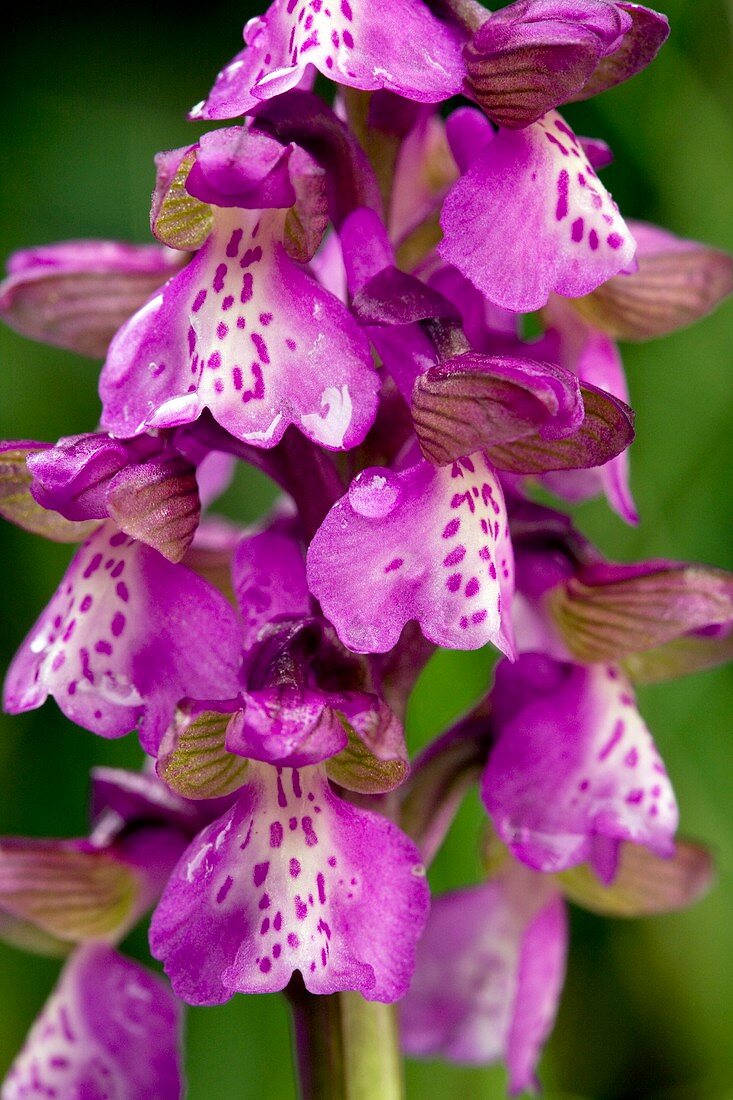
[{"x": 338, "y": 297}]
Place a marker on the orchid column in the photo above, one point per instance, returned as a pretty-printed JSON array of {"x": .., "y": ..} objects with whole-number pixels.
[{"x": 298, "y": 316}]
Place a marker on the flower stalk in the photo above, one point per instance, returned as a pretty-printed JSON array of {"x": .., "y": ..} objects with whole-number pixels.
[{"x": 346, "y": 1048}]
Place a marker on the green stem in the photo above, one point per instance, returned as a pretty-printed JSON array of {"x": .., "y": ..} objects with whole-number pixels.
[{"x": 346, "y": 1048}]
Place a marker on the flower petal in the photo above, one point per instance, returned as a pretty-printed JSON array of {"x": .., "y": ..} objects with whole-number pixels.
[
  {"x": 20, "y": 507},
  {"x": 489, "y": 971},
  {"x": 286, "y": 880},
  {"x": 125, "y": 637},
  {"x": 245, "y": 332},
  {"x": 109, "y": 1028},
  {"x": 644, "y": 884},
  {"x": 677, "y": 282},
  {"x": 530, "y": 216},
  {"x": 76, "y": 295},
  {"x": 430, "y": 544},
  {"x": 607, "y": 612},
  {"x": 574, "y": 770},
  {"x": 400, "y": 46},
  {"x": 269, "y": 581}
]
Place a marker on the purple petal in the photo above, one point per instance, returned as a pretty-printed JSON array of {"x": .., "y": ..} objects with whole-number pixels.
[
  {"x": 426, "y": 543},
  {"x": 245, "y": 332},
  {"x": 269, "y": 580},
  {"x": 399, "y": 46},
  {"x": 519, "y": 69},
  {"x": 282, "y": 726},
  {"x": 574, "y": 769},
  {"x": 141, "y": 796},
  {"x": 125, "y": 637},
  {"x": 235, "y": 166},
  {"x": 640, "y": 45},
  {"x": 424, "y": 171},
  {"x": 530, "y": 216},
  {"x": 473, "y": 401},
  {"x": 286, "y": 880},
  {"x": 489, "y": 971},
  {"x": 73, "y": 477},
  {"x": 76, "y": 295},
  {"x": 596, "y": 360},
  {"x": 110, "y": 1028}
]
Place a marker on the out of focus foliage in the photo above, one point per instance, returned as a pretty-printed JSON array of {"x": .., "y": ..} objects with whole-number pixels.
[{"x": 90, "y": 94}]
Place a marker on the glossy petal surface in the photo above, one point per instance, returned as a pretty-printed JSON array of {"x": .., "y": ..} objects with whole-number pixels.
[
  {"x": 489, "y": 971},
  {"x": 574, "y": 770},
  {"x": 398, "y": 45},
  {"x": 425, "y": 543},
  {"x": 244, "y": 332},
  {"x": 530, "y": 216},
  {"x": 286, "y": 880},
  {"x": 125, "y": 637},
  {"x": 110, "y": 1029}
]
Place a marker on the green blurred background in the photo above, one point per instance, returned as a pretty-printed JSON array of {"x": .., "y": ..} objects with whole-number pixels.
[{"x": 89, "y": 98}]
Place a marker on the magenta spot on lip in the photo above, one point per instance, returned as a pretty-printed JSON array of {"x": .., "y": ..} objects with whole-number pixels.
[
  {"x": 451, "y": 529},
  {"x": 635, "y": 797},
  {"x": 454, "y": 582},
  {"x": 348, "y": 40},
  {"x": 346, "y": 10},
  {"x": 264, "y": 902},
  {"x": 293, "y": 940},
  {"x": 577, "y": 230},
  {"x": 593, "y": 240},
  {"x": 214, "y": 360},
  {"x": 261, "y": 346},
  {"x": 234, "y": 242},
  {"x": 219, "y": 276},
  {"x": 198, "y": 301},
  {"x": 310, "y": 837},
  {"x": 260, "y": 872},
  {"x": 227, "y": 302},
  {"x": 472, "y": 587},
  {"x": 122, "y": 592},
  {"x": 246, "y": 294},
  {"x": 237, "y": 378},
  {"x": 103, "y": 647},
  {"x": 394, "y": 564},
  {"x": 614, "y": 240},
  {"x": 278, "y": 921},
  {"x": 478, "y": 617},
  {"x": 631, "y": 759},
  {"x": 93, "y": 566},
  {"x": 118, "y": 624},
  {"x": 265, "y": 926},
  {"x": 276, "y": 949},
  {"x": 86, "y": 603},
  {"x": 321, "y": 883},
  {"x": 291, "y": 344},
  {"x": 455, "y": 557},
  {"x": 294, "y": 868},
  {"x": 618, "y": 732},
  {"x": 301, "y": 909},
  {"x": 276, "y": 834},
  {"x": 224, "y": 889},
  {"x": 265, "y": 965},
  {"x": 265, "y": 319},
  {"x": 222, "y": 330}
]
